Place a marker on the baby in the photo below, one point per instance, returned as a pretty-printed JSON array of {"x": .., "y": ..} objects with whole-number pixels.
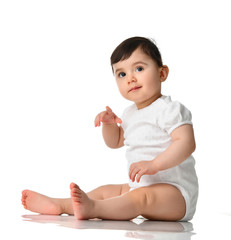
[{"x": 159, "y": 137}]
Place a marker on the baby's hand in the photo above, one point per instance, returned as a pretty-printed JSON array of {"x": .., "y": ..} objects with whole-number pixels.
[
  {"x": 137, "y": 170},
  {"x": 107, "y": 117}
]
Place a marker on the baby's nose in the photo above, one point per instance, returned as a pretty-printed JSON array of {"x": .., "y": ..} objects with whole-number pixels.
[{"x": 131, "y": 78}]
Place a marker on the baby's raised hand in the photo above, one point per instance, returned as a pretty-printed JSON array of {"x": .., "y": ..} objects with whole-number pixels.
[{"x": 107, "y": 117}]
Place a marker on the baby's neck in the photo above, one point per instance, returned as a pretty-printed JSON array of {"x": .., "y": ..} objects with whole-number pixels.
[{"x": 147, "y": 102}]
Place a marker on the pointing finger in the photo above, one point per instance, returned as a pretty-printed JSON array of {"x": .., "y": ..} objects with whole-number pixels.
[{"x": 108, "y": 109}]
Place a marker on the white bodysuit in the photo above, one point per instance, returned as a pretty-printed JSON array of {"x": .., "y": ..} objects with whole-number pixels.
[{"x": 147, "y": 134}]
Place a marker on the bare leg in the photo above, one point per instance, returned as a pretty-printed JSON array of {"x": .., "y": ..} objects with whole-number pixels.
[
  {"x": 39, "y": 203},
  {"x": 108, "y": 191},
  {"x": 156, "y": 202}
]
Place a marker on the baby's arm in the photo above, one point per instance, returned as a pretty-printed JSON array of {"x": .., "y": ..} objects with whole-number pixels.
[
  {"x": 182, "y": 146},
  {"x": 112, "y": 133}
]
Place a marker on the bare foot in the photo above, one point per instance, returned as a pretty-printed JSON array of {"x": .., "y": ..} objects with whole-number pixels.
[
  {"x": 83, "y": 206},
  {"x": 39, "y": 203}
]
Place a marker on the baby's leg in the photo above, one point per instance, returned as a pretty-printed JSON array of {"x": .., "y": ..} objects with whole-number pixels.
[
  {"x": 156, "y": 202},
  {"x": 39, "y": 203},
  {"x": 108, "y": 191}
]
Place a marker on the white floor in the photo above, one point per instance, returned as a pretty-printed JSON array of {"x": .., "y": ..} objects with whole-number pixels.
[
  {"x": 34, "y": 226},
  {"x": 138, "y": 228}
]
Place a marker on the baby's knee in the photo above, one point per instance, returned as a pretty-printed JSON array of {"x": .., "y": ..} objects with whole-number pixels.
[{"x": 141, "y": 197}]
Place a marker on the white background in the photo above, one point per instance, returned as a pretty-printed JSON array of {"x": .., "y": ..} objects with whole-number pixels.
[{"x": 55, "y": 77}]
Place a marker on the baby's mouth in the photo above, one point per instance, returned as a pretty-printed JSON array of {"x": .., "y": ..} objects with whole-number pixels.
[{"x": 134, "y": 88}]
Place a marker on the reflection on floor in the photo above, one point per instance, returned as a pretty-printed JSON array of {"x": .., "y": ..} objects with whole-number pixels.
[{"x": 138, "y": 228}]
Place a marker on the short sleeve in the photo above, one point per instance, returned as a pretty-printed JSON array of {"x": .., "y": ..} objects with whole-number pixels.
[{"x": 174, "y": 115}]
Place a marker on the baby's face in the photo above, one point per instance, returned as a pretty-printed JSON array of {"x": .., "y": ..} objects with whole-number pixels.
[{"x": 139, "y": 78}]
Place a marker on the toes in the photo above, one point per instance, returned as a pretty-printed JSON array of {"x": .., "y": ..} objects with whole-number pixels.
[
  {"x": 24, "y": 193},
  {"x": 76, "y": 193},
  {"x": 74, "y": 185},
  {"x": 24, "y": 203},
  {"x": 75, "y": 188},
  {"x": 24, "y": 197}
]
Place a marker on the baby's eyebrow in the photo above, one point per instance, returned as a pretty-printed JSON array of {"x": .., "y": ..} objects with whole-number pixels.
[
  {"x": 118, "y": 70},
  {"x": 140, "y": 62}
]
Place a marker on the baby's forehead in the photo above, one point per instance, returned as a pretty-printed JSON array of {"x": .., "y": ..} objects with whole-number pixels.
[{"x": 138, "y": 56}]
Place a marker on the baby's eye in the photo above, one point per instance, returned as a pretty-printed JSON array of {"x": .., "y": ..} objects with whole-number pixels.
[
  {"x": 139, "y": 69},
  {"x": 122, "y": 74}
]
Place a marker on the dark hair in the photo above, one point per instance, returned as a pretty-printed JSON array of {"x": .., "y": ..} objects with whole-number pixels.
[{"x": 128, "y": 46}]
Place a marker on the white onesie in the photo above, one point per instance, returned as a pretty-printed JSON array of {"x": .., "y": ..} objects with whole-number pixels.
[{"x": 147, "y": 134}]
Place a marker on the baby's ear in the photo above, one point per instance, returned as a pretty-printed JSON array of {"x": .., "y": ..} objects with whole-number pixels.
[{"x": 164, "y": 70}]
